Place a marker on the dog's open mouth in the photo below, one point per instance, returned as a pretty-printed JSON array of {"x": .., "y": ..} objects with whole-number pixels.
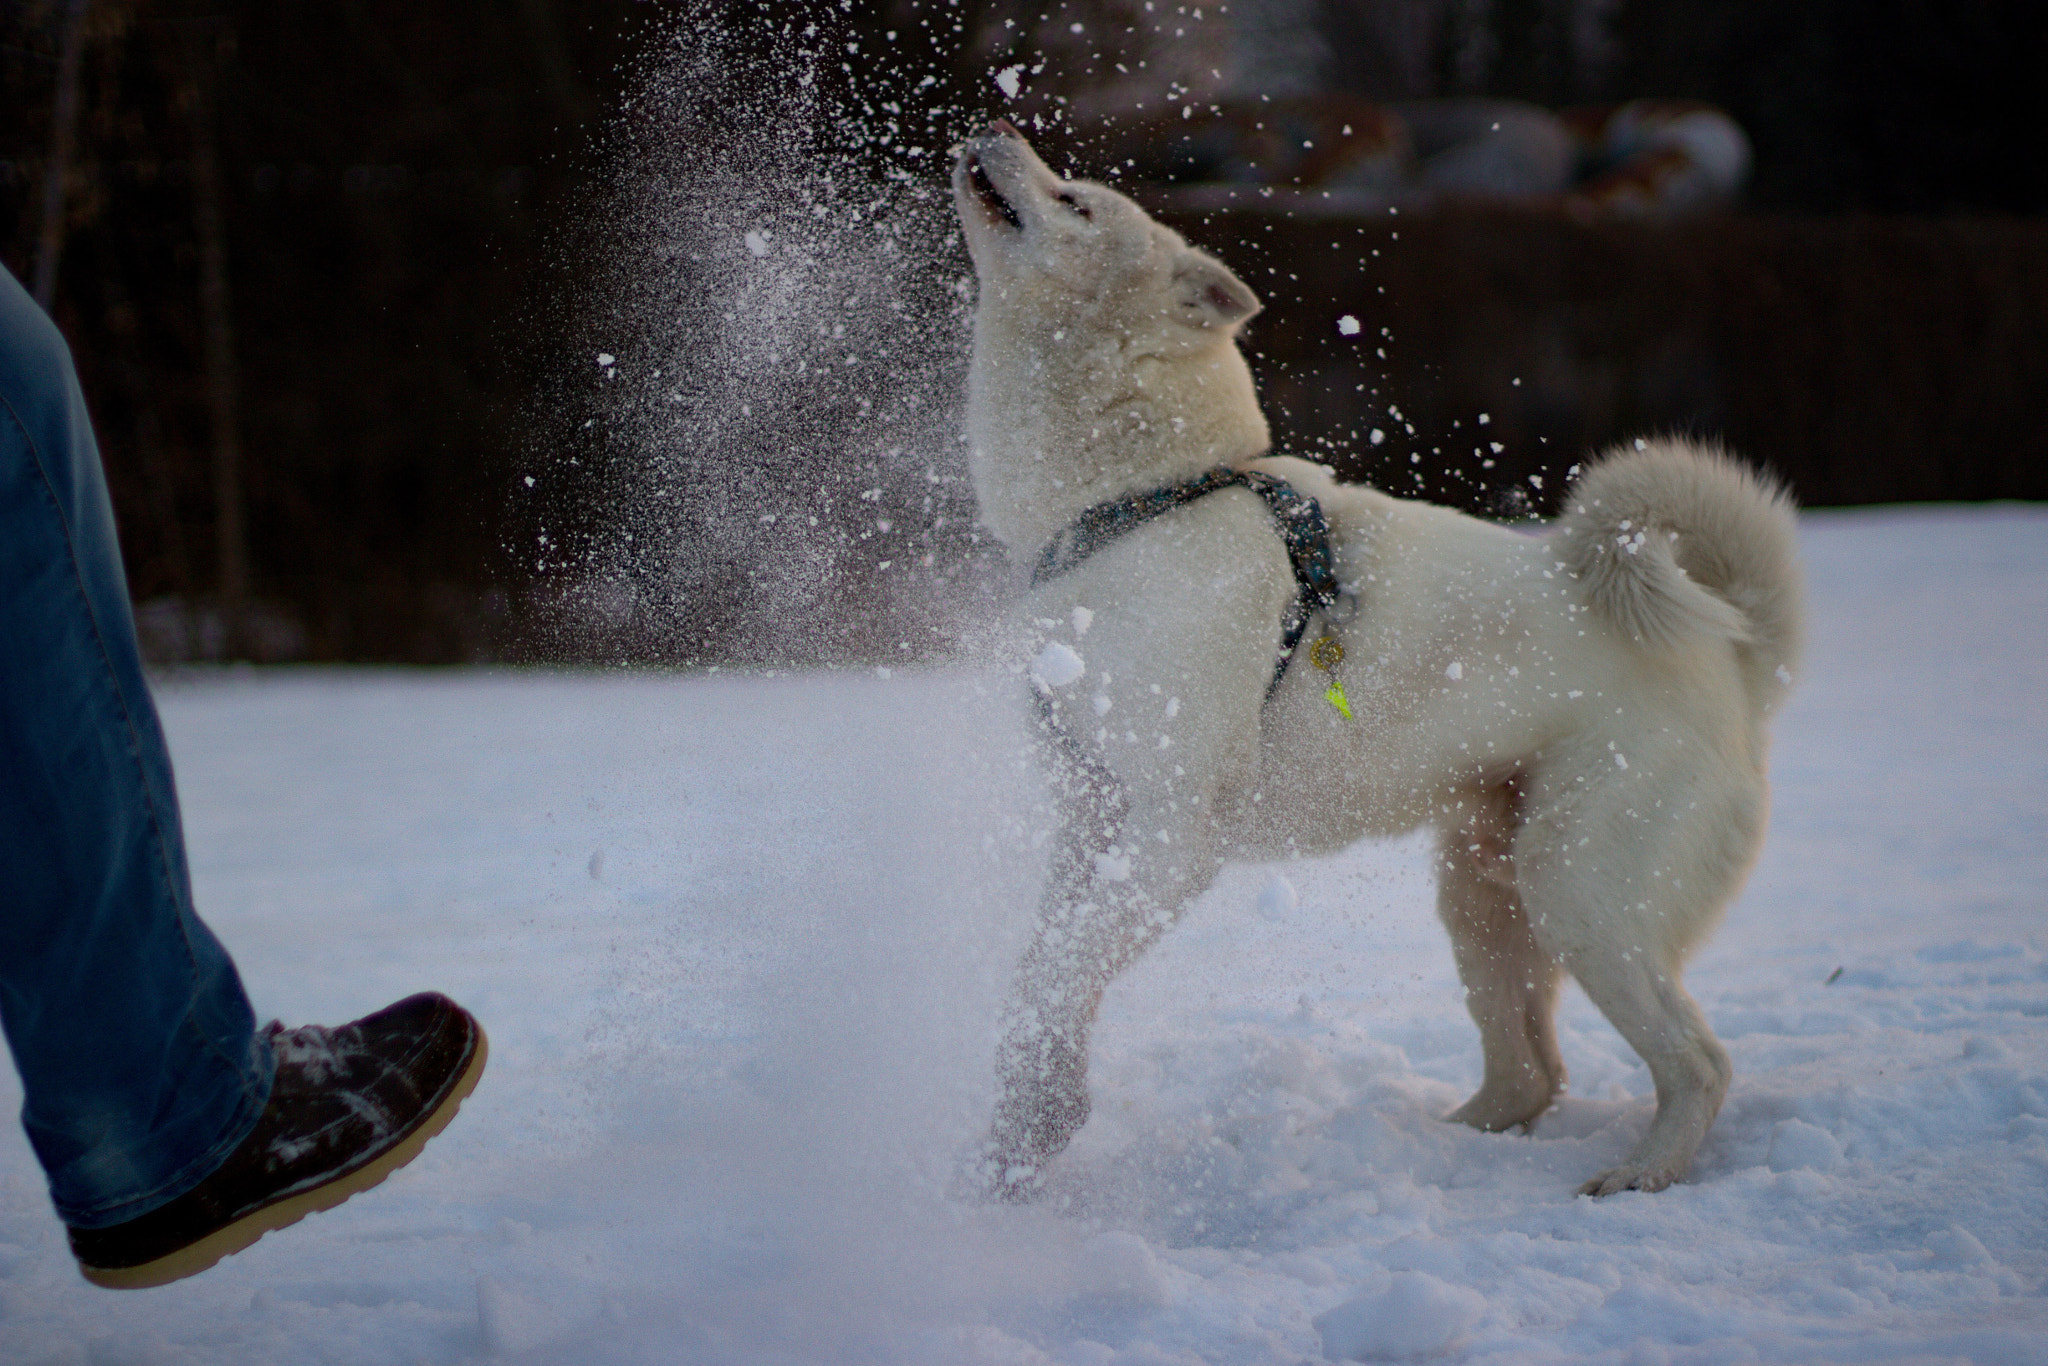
[{"x": 985, "y": 190}]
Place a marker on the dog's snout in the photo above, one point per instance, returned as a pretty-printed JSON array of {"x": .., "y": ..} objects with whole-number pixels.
[{"x": 1004, "y": 128}]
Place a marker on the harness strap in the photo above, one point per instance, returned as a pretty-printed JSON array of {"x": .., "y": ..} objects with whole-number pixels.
[{"x": 1299, "y": 519}]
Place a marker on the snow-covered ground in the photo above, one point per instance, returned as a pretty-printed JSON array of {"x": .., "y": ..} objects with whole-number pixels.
[{"x": 739, "y": 943}]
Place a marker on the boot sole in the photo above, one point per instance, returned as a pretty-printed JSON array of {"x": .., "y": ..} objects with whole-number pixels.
[{"x": 229, "y": 1239}]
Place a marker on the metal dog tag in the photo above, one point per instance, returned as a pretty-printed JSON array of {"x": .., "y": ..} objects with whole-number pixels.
[{"x": 1326, "y": 654}]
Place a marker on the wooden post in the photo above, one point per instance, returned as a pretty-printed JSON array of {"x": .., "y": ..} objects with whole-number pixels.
[
  {"x": 218, "y": 343},
  {"x": 63, "y": 122},
  {"x": 572, "y": 101}
]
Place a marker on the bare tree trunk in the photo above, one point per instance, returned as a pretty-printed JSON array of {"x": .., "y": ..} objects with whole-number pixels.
[
  {"x": 63, "y": 122},
  {"x": 218, "y": 340},
  {"x": 571, "y": 99},
  {"x": 159, "y": 469}
]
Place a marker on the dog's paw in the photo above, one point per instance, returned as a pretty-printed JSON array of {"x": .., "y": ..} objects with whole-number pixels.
[
  {"x": 1017, "y": 1183},
  {"x": 1628, "y": 1177},
  {"x": 1497, "y": 1112},
  {"x": 990, "y": 1178}
]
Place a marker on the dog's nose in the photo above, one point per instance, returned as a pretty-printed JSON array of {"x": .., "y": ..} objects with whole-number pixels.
[{"x": 1005, "y": 127}]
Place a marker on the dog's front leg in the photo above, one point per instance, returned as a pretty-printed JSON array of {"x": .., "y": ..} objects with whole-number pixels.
[
  {"x": 1106, "y": 903},
  {"x": 1042, "y": 1061}
]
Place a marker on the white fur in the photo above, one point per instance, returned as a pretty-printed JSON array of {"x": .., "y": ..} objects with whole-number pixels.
[{"x": 1580, "y": 713}]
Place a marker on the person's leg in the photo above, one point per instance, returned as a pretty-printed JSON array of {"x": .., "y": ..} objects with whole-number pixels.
[
  {"x": 172, "y": 1132},
  {"x": 140, "y": 1064}
]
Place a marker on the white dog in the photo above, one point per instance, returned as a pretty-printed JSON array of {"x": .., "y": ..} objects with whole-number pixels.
[{"x": 1580, "y": 714}]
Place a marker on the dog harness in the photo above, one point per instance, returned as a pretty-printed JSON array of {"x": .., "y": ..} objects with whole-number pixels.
[
  {"x": 1100, "y": 803},
  {"x": 1301, "y": 524}
]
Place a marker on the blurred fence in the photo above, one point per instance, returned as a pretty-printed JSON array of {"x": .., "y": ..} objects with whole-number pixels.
[{"x": 1867, "y": 359}]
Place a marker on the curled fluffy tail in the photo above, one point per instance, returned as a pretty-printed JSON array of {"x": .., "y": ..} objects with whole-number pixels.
[{"x": 1678, "y": 542}]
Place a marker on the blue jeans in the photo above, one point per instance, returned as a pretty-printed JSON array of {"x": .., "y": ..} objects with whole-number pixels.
[{"x": 140, "y": 1064}]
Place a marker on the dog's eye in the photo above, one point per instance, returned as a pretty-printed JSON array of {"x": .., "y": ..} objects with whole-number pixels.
[{"x": 1067, "y": 198}]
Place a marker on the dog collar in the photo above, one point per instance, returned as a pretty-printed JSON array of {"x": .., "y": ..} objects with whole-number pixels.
[{"x": 1298, "y": 517}]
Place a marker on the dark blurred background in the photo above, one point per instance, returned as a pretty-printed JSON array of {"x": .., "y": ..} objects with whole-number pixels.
[{"x": 317, "y": 261}]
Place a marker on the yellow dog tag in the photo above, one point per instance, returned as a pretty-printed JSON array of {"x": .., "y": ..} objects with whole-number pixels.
[{"x": 1326, "y": 654}]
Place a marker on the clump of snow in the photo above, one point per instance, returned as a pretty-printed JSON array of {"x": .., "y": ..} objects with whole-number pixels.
[
  {"x": 1797, "y": 1146},
  {"x": 1121, "y": 1267},
  {"x": 1414, "y": 1317},
  {"x": 1348, "y": 325},
  {"x": 1057, "y": 665},
  {"x": 1113, "y": 865},
  {"x": 1957, "y": 1246},
  {"x": 510, "y": 1322},
  {"x": 1278, "y": 899}
]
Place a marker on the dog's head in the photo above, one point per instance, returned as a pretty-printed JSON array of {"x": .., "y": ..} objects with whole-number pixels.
[
  {"x": 1047, "y": 249},
  {"x": 1105, "y": 355}
]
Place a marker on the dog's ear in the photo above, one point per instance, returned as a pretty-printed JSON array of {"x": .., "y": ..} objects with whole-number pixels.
[{"x": 1207, "y": 295}]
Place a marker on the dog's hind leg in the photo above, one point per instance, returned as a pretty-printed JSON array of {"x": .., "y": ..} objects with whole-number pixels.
[
  {"x": 1651, "y": 1009},
  {"x": 1620, "y": 899},
  {"x": 1510, "y": 982}
]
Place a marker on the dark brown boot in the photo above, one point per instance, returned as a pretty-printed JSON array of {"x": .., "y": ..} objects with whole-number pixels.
[{"x": 349, "y": 1106}]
